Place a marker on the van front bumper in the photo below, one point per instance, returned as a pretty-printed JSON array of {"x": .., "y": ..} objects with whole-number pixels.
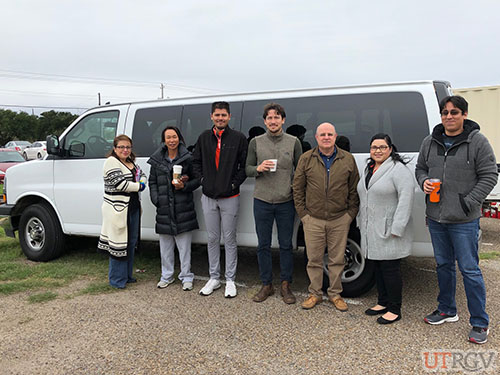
[{"x": 5, "y": 223}]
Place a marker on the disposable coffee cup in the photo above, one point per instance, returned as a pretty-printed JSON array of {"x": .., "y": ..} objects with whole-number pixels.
[
  {"x": 275, "y": 162},
  {"x": 435, "y": 195},
  {"x": 177, "y": 173}
]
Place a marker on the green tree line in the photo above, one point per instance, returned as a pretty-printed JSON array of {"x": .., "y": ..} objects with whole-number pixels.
[{"x": 26, "y": 127}]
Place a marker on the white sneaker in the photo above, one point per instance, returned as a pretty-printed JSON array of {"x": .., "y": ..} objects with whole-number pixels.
[
  {"x": 188, "y": 285},
  {"x": 163, "y": 284},
  {"x": 230, "y": 289},
  {"x": 209, "y": 287}
]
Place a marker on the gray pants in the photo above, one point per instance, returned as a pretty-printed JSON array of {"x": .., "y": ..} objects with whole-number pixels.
[
  {"x": 167, "y": 247},
  {"x": 216, "y": 212}
]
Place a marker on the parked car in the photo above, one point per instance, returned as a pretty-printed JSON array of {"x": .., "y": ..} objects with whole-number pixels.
[
  {"x": 8, "y": 158},
  {"x": 37, "y": 150},
  {"x": 19, "y": 146},
  {"x": 494, "y": 195}
]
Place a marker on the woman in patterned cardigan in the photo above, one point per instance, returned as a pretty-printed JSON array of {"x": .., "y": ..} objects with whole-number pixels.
[{"x": 121, "y": 211}]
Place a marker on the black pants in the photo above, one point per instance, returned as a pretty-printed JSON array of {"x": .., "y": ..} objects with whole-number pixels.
[{"x": 389, "y": 284}]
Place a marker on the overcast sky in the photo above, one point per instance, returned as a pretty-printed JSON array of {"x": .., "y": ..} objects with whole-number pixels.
[{"x": 62, "y": 53}]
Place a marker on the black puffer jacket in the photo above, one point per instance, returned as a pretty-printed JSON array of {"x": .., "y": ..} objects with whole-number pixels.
[{"x": 175, "y": 211}]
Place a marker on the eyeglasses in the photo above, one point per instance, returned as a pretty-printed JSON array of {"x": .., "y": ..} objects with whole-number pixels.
[
  {"x": 124, "y": 147},
  {"x": 453, "y": 112},
  {"x": 379, "y": 148}
]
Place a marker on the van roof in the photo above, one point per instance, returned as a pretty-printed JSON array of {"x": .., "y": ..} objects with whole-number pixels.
[{"x": 252, "y": 93}]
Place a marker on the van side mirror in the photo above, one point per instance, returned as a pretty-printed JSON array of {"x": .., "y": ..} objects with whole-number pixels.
[{"x": 53, "y": 147}]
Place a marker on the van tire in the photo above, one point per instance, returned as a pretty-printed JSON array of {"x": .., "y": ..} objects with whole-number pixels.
[
  {"x": 40, "y": 233},
  {"x": 358, "y": 276}
]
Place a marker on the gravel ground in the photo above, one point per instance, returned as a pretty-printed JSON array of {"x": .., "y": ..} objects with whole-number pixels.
[{"x": 144, "y": 330}]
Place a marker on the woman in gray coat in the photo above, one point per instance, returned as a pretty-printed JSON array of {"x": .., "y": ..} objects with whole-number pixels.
[{"x": 386, "y": 190}]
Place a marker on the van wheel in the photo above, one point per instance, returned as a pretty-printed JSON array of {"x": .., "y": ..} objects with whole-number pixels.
[
  {"x": 40, "y": 233},
  {"x": 359, "y": 273},
  {"x": 358, "y": 276}
]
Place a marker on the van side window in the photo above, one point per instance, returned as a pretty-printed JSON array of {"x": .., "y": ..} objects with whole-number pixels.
[
  {"x": 196, "y": 119},
  {"x": 402, "y": 115},
  {"x": 148, "y": 126},
  {"x": 92, "y": 137}
]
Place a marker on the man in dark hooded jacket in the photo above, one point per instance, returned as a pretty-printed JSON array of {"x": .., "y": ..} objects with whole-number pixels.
[{"x": 461, "y": 157}]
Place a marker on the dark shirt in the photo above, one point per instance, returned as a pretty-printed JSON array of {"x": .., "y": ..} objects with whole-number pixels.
[
  {"x": 134, "y": 203},
  {"x": 448, "y": 141},
  {"x": 328, "y": 160},
  {"x": 369, "y": 174}
]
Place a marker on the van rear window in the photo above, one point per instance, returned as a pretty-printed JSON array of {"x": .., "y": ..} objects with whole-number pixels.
[{"x": 402, "y": 115}]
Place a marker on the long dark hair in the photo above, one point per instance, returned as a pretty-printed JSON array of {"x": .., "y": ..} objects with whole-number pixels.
[
  {"x": 175, "y": 129},
  {"x": 394, "y": 152},
  {"x": 118, "y": 138}
]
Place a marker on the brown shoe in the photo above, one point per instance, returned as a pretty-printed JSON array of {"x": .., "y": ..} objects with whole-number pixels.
[
  {"x": 286, "y": 293},
  {"x": 339, "y": 303},
  {"x": 264, "y": 292},
  {"x": 311, "y": 301}
]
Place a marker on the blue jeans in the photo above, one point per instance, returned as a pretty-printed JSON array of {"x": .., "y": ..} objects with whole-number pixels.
[
  {"x": 121, "y": 271},
  {"x": 265, "y": 214},
  {"x": 460, "y": 242}
]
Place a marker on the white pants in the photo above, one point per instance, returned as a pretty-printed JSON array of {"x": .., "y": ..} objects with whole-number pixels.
[
  {"x": 216, "y": 212},
  {"x": 167, "y": 247}
]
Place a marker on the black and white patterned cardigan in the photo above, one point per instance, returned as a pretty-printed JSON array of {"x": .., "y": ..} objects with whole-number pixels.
[{"x": 118, "y": 184}]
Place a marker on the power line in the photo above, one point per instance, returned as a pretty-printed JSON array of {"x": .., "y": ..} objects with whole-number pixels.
[
  {"x": 116, "y": 82},
  {"x": 77, "y": 77},
  {"x": 38, "y": 106},
  {"x": 56, "y": 78},
  {"x": 35, "y": 93},
  {"x": 62, "y": 95}
]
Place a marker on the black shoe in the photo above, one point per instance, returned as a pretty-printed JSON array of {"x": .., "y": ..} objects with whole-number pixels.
[
  {"x": 381, "y": 320},
  {"x": 131, "y": 281},
  {"x": 372, "y": 312}
]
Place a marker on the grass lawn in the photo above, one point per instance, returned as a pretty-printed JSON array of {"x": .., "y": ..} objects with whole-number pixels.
[
  {"x": 489, "y": 255},
  {"x": 80, "y": 262}
]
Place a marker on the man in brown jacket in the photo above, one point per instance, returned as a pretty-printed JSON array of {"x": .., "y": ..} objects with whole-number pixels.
[{"x": 324, "y": 191}]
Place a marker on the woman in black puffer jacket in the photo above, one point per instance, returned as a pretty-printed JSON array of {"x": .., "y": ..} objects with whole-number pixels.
[{"x": 173, "y": 198}]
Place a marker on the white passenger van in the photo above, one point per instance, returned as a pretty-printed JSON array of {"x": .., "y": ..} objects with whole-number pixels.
[{"x": 61, "y": 195}]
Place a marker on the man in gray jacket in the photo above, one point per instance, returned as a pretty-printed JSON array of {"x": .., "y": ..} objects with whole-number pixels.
[
  {"x": 461, "y": 157},
  {"x": 271, "y": 159}
]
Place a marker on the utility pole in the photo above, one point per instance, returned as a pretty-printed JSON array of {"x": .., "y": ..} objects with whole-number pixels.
[
  {"x": 99, "y": 98},
  {"x": 162, "y": 86}
]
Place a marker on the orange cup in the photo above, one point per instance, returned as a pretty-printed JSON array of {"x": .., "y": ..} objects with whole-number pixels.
[{"x": 436, "y": 192}]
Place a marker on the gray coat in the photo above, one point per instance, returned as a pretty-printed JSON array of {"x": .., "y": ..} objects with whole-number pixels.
[
  {"x": 468, "y": 172},
  {"x": 384, "y": 211}
]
